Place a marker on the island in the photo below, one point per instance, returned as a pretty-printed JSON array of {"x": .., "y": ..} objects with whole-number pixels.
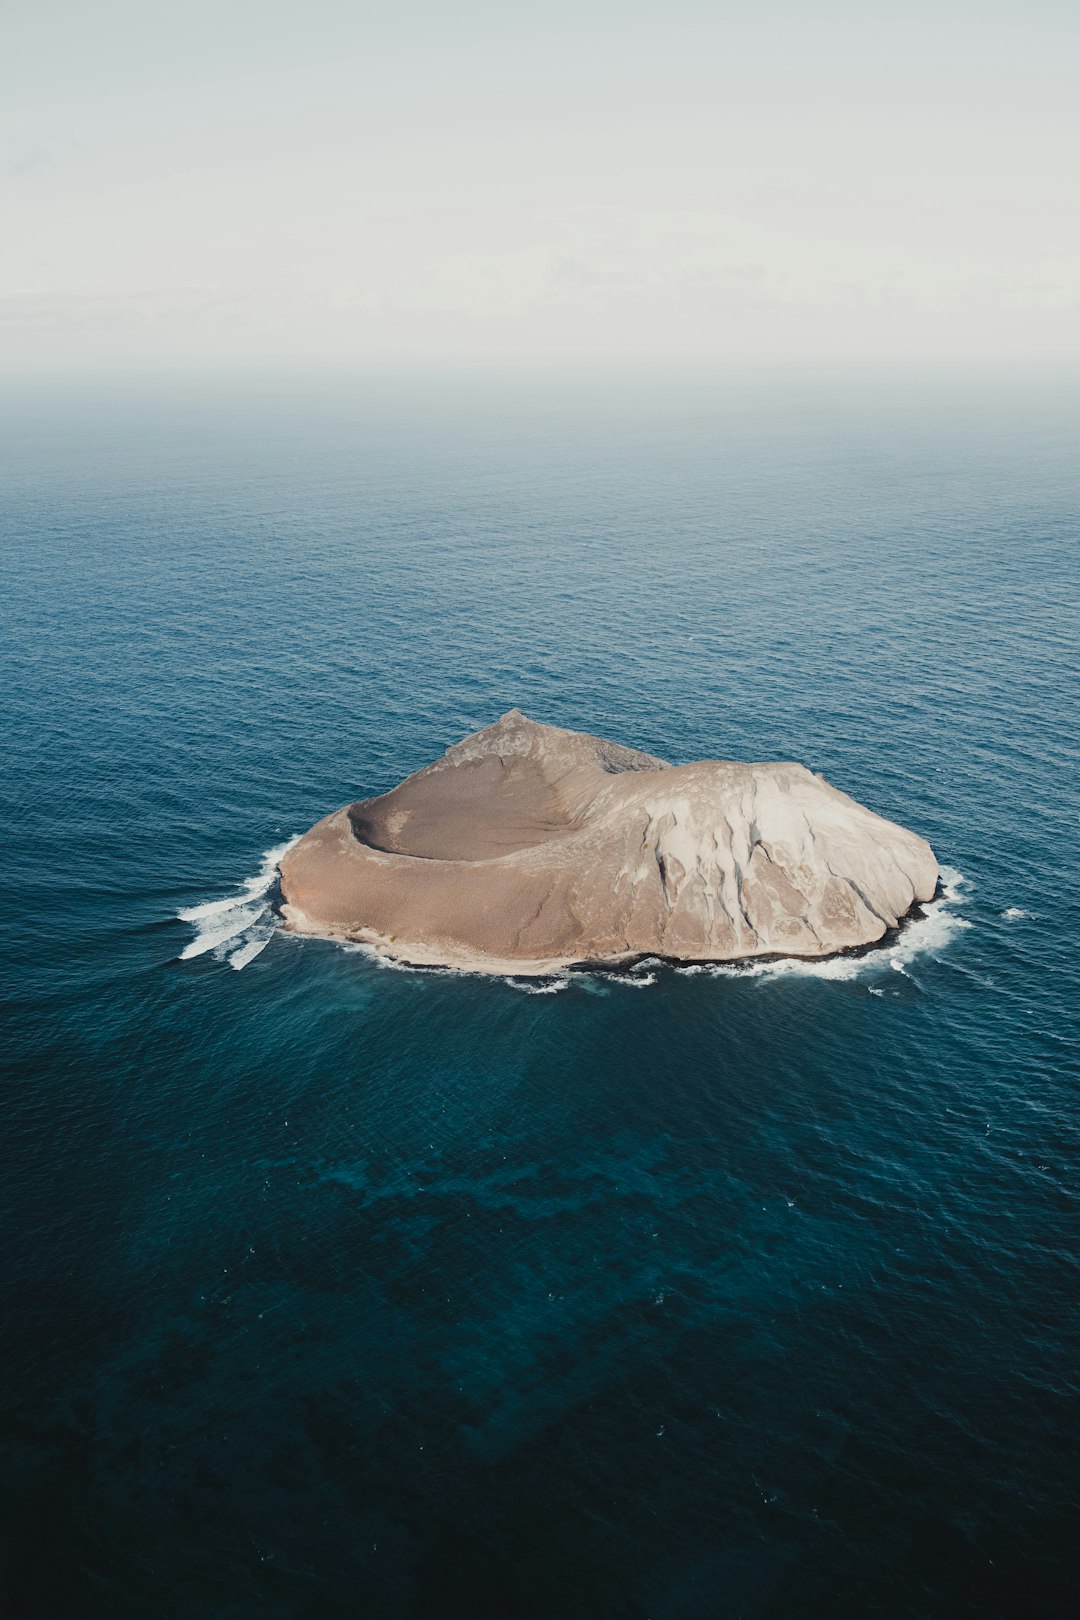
[{"x": 528, "y": 849}]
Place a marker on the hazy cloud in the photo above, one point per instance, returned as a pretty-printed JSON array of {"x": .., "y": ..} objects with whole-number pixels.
[{"x": 360, "y": 184}]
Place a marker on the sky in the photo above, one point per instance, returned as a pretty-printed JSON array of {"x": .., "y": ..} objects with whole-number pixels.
[{"x": 411, "y": 185}]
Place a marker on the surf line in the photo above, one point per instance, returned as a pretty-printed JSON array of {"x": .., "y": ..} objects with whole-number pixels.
[{"x": 237, "y": 927}]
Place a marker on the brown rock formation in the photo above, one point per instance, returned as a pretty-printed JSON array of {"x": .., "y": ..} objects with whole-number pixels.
[{"x": 527, "y": 848}]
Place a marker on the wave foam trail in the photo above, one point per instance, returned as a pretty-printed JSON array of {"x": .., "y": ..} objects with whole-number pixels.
[
  {"x": 241, "y": 918},
  {"x": 235, "y": 922},
  {"x": 257, "y": 940}
]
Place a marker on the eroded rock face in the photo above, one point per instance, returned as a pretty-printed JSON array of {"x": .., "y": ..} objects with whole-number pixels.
[{"x": 527, "y": 848}]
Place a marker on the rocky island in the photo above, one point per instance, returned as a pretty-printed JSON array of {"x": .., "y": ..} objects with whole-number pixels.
[{"x": 527, "y": 849}]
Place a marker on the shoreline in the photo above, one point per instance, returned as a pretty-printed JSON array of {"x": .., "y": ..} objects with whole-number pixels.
[{"x": 423, "y": 958}]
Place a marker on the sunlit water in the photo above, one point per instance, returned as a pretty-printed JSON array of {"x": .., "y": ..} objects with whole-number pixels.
[{"x": 334, "y": 1289}]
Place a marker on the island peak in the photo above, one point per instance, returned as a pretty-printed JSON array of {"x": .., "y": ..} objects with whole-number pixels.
[{"x": 528, "y": 848}]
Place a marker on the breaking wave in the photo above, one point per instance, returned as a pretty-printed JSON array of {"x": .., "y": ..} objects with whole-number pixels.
[
  {"x": 239, "y": 926},
  {"x": 541, "y": 987}
]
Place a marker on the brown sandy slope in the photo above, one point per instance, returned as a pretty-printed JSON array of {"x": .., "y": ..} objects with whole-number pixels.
[{"x": 527, "y": 848}]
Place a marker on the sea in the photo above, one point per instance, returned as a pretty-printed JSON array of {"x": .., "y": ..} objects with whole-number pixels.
[{"x": 332, "y": 1289}]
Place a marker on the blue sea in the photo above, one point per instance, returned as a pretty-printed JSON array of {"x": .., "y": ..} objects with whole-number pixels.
[{"x": 337, "y": 1290}]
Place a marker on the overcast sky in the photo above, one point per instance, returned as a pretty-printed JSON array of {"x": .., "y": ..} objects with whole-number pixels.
[{"x": 410, "y": 185}]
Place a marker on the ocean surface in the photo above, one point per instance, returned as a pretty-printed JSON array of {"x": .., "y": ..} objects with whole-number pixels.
[{"x": 338, "y": 1290}]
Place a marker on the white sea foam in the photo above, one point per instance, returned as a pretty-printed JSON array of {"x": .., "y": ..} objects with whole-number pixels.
[
  {"x": 391, "y": 964},
  {"x": 256, "y": 940},
  {"x": 234, "y": 923},
  {"x": 546, "y": 987},
  {"x": 242, "y": 920},
  {"x": 431, "y": 969},
  {"x": 211, "y": 908},
  {"x": 1014, "y": 914}
]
